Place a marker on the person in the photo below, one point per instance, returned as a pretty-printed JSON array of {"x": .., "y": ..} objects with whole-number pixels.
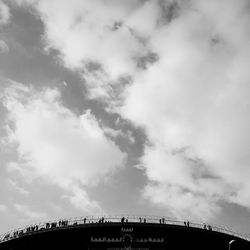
[
  {"x": 6, "y": 237},
  {"x": 163, "y": 220},
  {"x": 160, "y": 221},
  {"x": 84, "y": 220},
  {"x": 204, "y": 226},
  {"x": 187, "y": 223},
  {"x": 144, "y": 220}
]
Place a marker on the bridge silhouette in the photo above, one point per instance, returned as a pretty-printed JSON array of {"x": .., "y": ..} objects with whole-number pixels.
[{"x": 123, "y": 232}]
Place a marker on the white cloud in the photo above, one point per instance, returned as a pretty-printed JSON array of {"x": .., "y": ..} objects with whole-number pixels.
[
  {"x": 3, "y": 47},
  {"x": 17, "y": 187},
  {"x": 182, "y": 203},
  {"x": 55, "y": 143},
  {"x": 96, "y": 33},
  {"x": 194, "y": 106},
  {"x": 3, "y": 208},
  {"x": 25, "y": 172},
  {"x": 80, "y": 199},
  {"x": 113, "y": 133},
  {"x": 29, "y": 213},
  {"x": 4, "y": 13},
  {"x": 88, "y": 25},
  {"x": 193, "y": 102}
]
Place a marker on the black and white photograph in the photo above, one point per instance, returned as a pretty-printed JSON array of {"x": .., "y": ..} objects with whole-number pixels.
[{"x": 125, "y": 124}]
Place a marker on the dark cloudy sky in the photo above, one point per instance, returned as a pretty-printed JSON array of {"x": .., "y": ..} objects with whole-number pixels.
[{"x": 113, "y": 106}]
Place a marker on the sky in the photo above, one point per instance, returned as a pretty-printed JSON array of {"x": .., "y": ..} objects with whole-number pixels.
[{"x": 125, "y": 107}]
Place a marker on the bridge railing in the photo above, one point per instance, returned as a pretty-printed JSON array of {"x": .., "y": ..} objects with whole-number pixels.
[{"x": 92, "y": 220}]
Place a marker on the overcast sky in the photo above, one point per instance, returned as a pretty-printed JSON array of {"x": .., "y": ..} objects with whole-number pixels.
[{"x": 113, "y": 106}]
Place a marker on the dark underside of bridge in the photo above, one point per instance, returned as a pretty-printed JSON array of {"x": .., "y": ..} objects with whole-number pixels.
[{"x": 126, "y": 236}]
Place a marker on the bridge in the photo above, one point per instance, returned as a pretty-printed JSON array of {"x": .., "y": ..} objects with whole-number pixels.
[{"x": 140, "y": 230}]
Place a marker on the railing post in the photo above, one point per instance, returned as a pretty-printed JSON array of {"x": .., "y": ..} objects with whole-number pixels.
[{"x": 230, "y": 244}]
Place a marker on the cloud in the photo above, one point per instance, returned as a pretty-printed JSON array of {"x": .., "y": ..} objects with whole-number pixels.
[
  {"x": 17, "y": 187},
  {"x": 3, "y": 47},
  {"x": 180, "y": 202},
  {"x": 119, "y": 134},
  {"x": 29, "y": 213},
  {"x": 20, "y": 168},
  {"x": 3, "y": 208},
  {"x": 187, "y": 85},
  {"x": 54, "y": 143},
  {"x": 80, "y": 199},
  {"x": 193, "y": 104},
  {"x": 89, "y": 26},
  {"x": 4, "y": 13},
  {"x": 97, "y": 38}
]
